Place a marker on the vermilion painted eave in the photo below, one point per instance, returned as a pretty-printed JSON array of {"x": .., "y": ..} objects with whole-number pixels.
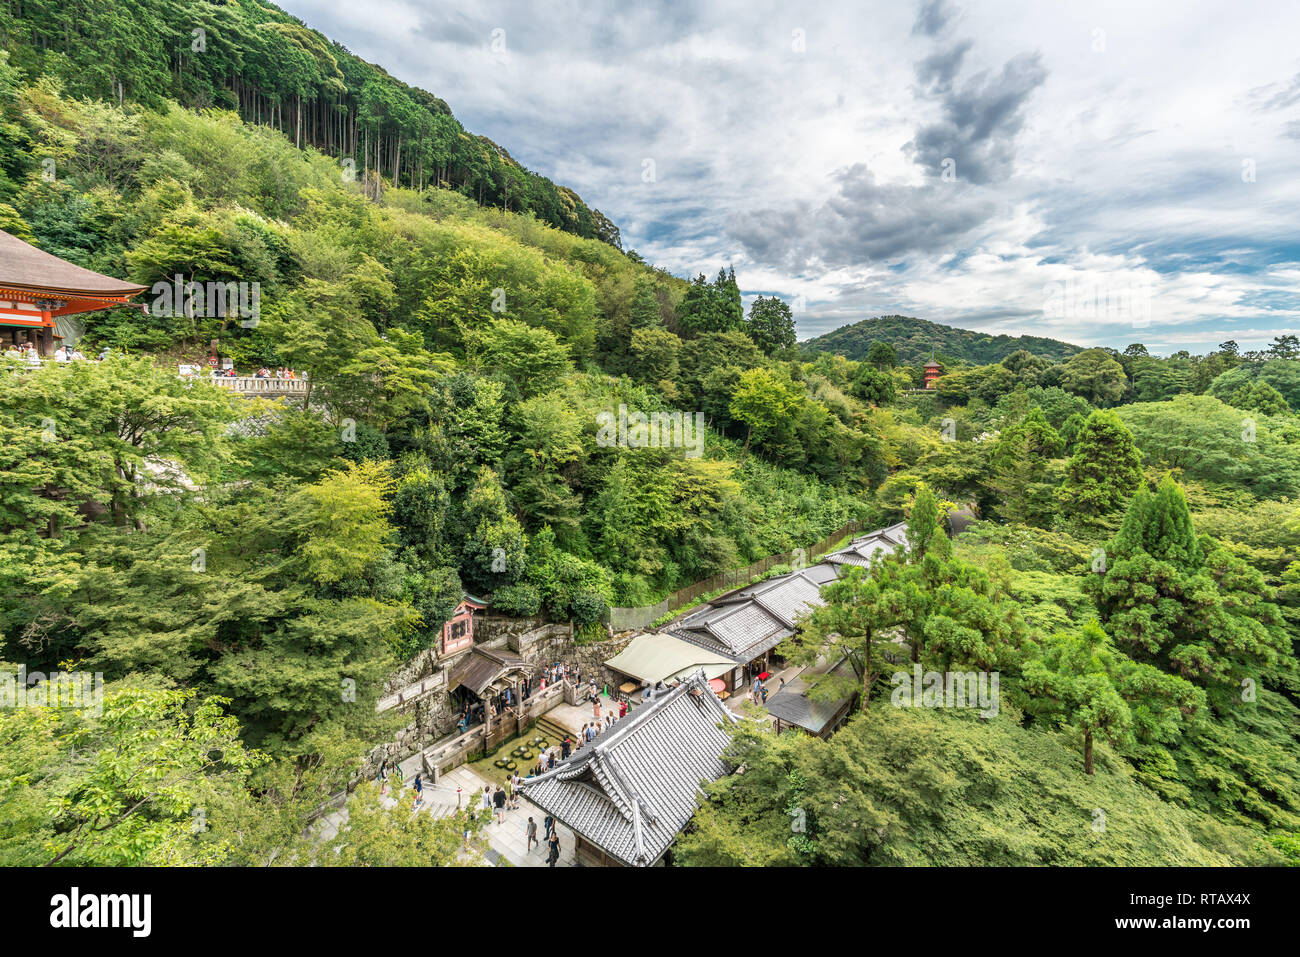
[{"x": 73, "y": 304}]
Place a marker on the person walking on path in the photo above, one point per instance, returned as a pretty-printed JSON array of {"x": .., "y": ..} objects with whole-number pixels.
[
  {"x": 383, "y": 778},
  {"x": 499, "y": 799},
  {"x": 531, "y": 833},
  {"x": 419, "y": 793},
  {"x": 554, "y": 845},
  {"x": 487, "y": 797},
  {"x": 566, "y": 746},
  {"x": 548, "y": 822}
]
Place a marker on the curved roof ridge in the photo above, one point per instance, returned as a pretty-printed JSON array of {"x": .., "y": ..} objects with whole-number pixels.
[{"x": 579, "y": 762}]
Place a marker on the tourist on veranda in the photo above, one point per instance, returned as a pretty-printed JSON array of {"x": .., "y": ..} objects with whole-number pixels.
[
  {"x": 554, "y": 845},
  {"x": 566, "y": 747},
  {"x": 499, "y": 799},
  {"x": 531, "y": 833},
  {"x": 548, "y": 823},
  {"x": 487, "y": 797}
]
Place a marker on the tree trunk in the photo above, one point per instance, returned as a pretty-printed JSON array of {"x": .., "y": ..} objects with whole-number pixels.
[
  {"x": 1087, "y": 752},
  {"x": 866, "y": 676}
]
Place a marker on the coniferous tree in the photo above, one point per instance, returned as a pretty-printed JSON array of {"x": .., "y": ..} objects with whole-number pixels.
[
  {"x": 1021, "y": 463},
  {"x": 1105, "y": 468},
  {"x": 1183, "y": 603},
  {"x": 1082, "y": 680}
]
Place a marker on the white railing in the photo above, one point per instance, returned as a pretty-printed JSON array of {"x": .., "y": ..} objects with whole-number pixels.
[{"x": 252, "y": 385}]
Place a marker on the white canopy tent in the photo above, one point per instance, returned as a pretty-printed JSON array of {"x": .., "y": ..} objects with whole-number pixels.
[{"x": 659, "y": 657}]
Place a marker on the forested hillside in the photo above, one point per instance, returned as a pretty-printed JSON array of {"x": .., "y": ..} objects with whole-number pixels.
[
  {"x": 253, "y": 58},
  {"x": 246, "y": 574},
  {"x": 914, "y": 340}
]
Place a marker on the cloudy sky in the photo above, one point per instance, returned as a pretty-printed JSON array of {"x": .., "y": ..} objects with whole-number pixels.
[{"x": 1088, "y": 171}]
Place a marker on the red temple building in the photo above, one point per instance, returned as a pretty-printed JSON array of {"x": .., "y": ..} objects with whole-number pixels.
[
  {"x": 932, "y": 372},
  {"x": 458, "y": 632},
  {"x": 37, "y": 290}
]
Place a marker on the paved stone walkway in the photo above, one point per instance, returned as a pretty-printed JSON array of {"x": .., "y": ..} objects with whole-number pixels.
[
  {"x": 741, "y": 705},
  {"x": 573, "y": 716},
  {"x": 507, "y": 840}
]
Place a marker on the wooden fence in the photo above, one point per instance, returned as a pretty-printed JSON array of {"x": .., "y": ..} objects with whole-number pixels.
[{"x": 628, "y": 619}]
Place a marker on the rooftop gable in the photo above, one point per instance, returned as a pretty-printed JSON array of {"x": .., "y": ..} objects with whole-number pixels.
[{"x": 634, "y": 788}]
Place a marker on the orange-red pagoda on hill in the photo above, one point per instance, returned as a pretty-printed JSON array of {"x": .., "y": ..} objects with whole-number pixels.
[
  {"x": 37, "y": 289},
  {"x": 932, "y": 372}
]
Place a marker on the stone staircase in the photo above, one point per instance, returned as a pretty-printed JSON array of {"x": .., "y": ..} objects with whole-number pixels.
[
  {"x": 440, "y": 800},
  {"x": 550, "y": 730}
]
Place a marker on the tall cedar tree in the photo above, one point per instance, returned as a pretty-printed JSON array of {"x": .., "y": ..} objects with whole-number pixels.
[
  {"x": 1185, "y": 605},
  {"x": 1079, "y": 678},
  {"x": 1105, "y": 468}
]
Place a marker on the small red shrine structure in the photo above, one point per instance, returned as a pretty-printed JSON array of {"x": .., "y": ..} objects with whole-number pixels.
[
  {"x": 458, "y": 632},
  {"x": 37, "y": 289}
]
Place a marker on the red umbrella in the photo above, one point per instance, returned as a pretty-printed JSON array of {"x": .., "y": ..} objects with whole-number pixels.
[
  {"x": 717, "y": 685},
  {"x": 764, "y": 676}
]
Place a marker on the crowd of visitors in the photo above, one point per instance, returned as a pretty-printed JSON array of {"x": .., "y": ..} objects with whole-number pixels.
[
  {"x": 26, "y": 351},
  {"x": 282, "y": 372}
]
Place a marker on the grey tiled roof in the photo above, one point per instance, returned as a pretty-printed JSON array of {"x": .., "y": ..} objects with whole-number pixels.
[
  {"x": 751, "y": 620},
  {"x": 862, "y": 550},
  {"x": 792, "y": 705},
  {"x": 791, "y": 598},
  {"x": 821, "y": 573},
  {"x": 741, "y": 631},
  {"x": 633, "y": 789}
]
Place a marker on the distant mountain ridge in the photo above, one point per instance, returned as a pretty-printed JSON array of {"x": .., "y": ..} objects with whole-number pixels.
[{"x": 915, "y": 338}]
